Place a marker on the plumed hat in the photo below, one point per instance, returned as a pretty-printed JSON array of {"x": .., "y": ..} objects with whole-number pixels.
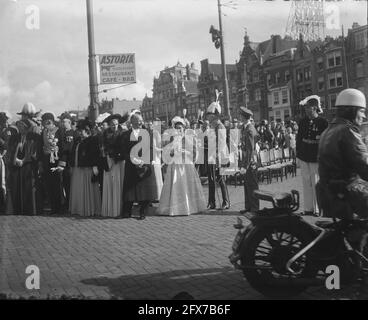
[
  {"x": 312, "y": 100},
  {"x": 176, "y": 120}
]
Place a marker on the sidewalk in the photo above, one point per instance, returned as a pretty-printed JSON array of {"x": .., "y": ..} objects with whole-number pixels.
[{"x": 130, "y": 259}]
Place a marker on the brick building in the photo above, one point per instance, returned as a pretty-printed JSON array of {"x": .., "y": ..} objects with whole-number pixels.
[
  {"x": 147, "y": 109},
  {"x": 256, "y": 68},
  {"x": 357, "y": 57},
  {"x": 166, "y": 88},
  {"x": 210, "y": 79}
]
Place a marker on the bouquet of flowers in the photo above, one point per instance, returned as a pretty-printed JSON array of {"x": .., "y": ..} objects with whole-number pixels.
[{"x": 51, "y": 146}]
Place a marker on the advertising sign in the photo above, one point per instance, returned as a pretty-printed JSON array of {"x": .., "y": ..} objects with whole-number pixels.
[{"x": 117, "y": 68}]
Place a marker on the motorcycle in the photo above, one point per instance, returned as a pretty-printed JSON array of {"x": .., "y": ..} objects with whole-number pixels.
[{"x": 281, "y": 254}]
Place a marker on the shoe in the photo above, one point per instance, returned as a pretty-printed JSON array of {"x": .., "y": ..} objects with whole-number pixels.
[
  {"x": 244, "y": 211},
  {"x": 211, "y": 206},
  {"x": 225, "y": 206},
  {"x": 141, "y": 218}
]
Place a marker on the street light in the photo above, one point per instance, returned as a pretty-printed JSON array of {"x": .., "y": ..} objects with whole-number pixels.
[{"x": 218, "y": 39}]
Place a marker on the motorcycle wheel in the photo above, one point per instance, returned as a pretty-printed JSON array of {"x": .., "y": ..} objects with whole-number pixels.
[{"x": 264, "y": 259}]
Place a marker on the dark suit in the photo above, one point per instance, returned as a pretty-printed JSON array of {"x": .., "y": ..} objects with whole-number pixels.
[
  {"x": 249, "y": 136},
  {"x": 213, "y": 174}
]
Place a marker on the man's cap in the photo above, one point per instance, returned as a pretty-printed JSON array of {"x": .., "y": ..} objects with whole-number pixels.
[{"x": 246, "y": 111}]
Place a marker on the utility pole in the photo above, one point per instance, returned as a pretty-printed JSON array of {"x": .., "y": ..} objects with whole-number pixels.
[
  {"x": 93, "y": 111},
  {"x": 223, "y": 63}
]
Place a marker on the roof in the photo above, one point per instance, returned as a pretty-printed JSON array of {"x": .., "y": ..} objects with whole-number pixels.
[
  {"x": 265, "y": 48},
  {"x": 123, "y": 106},
  {"x": 217, "y": 68}
]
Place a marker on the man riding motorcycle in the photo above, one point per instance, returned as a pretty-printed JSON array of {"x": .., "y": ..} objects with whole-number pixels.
[{"x": 343, "y": 160}]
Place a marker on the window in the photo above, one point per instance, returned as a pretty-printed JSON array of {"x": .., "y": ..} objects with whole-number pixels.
[
  {"x": 321, "y": 83},
  {"x": 278, "y": 115},
  {"x": 246, "y": 98},
  {"x": 255, "y": 75},
  {"x": 333, "y": 59},
  {"x": 287, "y": 75},
  {"x": 360, "y": 40},
  {"x": 286, "y": 113},
  {"x": 276, "y": 98},
  {"x": 335, "y": 80},
  {"x": 359, "y": 71},
  {"x": 278, "y": 78},
  {"x": 320, "y": 63},
  {"x": 299, "y": 75},
  {"x": 284, "y": 96},
  {"x": 269, "y": 80},
  {"x": 233, "y": 90},
  {"x": 322, "y": 102},
  {"x": 307, "y": 73},
  {"x": 332, "y": 98},
  {"x": 257, "y": 94}
]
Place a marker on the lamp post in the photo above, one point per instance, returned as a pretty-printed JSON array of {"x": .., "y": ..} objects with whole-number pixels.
[
  {"x": 93, "y": 85},
  {"x": 218, "y": 39}
]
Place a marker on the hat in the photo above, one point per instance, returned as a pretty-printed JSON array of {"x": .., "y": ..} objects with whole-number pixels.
[
  {"x": 351, "y": 98},
  {"x": 214, "y": 108},
  {"x": 246, "y": 111},
  {"x": 176, "y": 120},
  {"x": 112, "y": 117},
  {"x": 84, "y": 124},
  {"x": 48, "y": 116},
  {"x": 5, "y": 115},
  {"x": 28, "y": 109},
  {"x": 310, "y": 101},
  {"x": 65, "y": 115}
]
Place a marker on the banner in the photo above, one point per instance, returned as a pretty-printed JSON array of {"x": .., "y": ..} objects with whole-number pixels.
[{"x": 117, "y": 68}]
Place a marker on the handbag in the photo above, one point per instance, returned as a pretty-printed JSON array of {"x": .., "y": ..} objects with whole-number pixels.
[{"x": 143, "y": 172}]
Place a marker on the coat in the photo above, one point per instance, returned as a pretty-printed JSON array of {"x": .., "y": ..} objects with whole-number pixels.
[
  {"x": 308, "y": 136},
  {"x": 343, "y": 169},
  {"x": 88, "y": 153},
  {"x": 248, "y": 140}
]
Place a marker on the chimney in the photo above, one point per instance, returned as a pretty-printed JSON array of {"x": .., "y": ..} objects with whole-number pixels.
[{"x": 356, "y": 25}]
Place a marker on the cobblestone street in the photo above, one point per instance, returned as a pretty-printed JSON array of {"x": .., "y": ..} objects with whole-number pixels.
[{"x": 130, "y": 259}]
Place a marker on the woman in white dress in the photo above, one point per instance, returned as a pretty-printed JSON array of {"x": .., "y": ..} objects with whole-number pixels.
[{"x": 182, "y": 193}]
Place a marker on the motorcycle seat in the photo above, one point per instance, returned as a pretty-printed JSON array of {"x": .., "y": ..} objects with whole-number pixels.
[
  {"x": 325, "y": 224},
  {"x": 280, "y": 198}
]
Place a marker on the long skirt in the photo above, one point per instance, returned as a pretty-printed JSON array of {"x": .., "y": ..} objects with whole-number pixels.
[
  {"x": 148, "y": 189},
  {"x": 112, "y": 194},
  {"x": 85, "y": 197},
  {"x": 182, "y": 193},
  {"x": 23, "y": 189}
]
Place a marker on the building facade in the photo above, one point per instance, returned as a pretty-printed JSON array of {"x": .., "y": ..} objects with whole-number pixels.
[
  {"x": 167, "y": 87},
  {"x": 147, "y": 109},
  {"x": 357, "y": 57},
  {"x": 210, "y": 80}
]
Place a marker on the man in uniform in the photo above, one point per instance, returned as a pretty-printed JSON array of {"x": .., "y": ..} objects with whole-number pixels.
[
  {"x": 248, "y": 140},
  {"x": 213, "y": 170},
  {"x": 307, "y": 140}
]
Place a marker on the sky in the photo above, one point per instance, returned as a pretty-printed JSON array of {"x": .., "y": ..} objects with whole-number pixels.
[{"x": 49, "y": 66}]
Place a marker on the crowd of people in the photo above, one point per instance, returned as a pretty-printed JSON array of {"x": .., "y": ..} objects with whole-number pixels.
[{"x": 60, "y": 165}]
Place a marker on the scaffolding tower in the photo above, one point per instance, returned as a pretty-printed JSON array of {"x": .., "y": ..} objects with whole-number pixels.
[{"x": 306, "y": 17}]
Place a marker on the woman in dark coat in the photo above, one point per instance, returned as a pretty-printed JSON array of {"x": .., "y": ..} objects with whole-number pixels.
[{"x": 85, "y": 197}]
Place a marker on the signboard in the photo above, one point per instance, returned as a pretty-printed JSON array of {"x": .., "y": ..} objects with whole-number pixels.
[{"x": 117, "y": 68}]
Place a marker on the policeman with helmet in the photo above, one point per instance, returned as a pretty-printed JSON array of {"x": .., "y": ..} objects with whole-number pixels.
[{"x": 343, "y": 160}]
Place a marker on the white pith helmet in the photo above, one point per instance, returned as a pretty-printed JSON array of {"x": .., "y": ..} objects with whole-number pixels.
[{"x": 351, "y": 98}]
